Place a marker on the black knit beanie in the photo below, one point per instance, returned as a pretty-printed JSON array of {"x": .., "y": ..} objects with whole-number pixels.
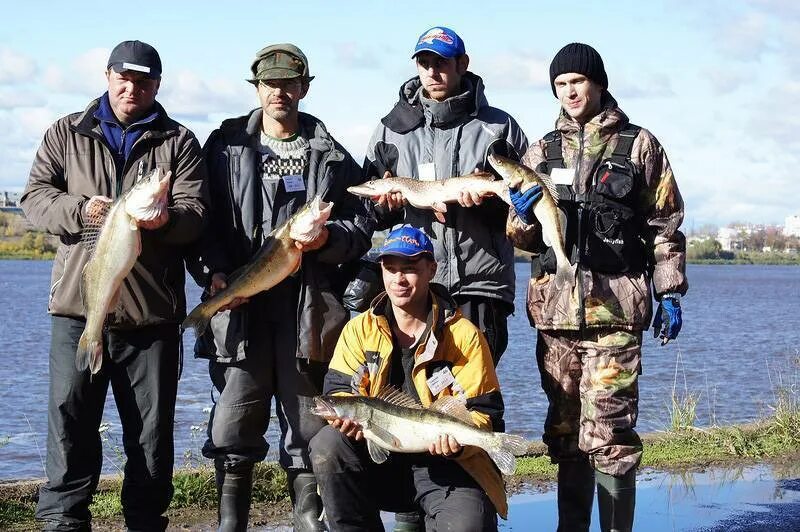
[{"x": 581, "y": 59}]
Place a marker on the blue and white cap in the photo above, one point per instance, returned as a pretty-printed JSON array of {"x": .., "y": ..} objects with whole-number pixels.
[
  {"x": 406, "y": 241},
  {"x": 441, "y": 41}
]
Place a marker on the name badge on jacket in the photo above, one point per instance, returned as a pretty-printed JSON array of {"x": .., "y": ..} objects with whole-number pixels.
[
  {"x": 440, "y": 380},
  {"x": 293, "y": 183}
]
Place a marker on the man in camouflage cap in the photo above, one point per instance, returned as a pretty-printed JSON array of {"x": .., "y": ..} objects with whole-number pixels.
[
  {"x": 623, "y": 210},
  {"x": 263, "y": 167}
]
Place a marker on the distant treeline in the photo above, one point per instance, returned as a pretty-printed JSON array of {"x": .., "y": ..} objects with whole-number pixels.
[{"x": 18, "y": 241}]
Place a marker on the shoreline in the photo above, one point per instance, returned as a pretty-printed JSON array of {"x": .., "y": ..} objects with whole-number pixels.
[{"x": 773, "y": 440}]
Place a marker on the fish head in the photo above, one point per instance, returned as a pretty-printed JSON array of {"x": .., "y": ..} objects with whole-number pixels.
[
  {"x": 509, "y": 170},
  {"x": 332, "y": 406},
  {"x": 149, "y": 197},
  {"x": 308, "y": 222},
  {"x": 372, "y": 189}
]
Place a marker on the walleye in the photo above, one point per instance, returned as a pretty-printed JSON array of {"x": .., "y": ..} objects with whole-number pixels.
[
  {"x": 433, "y": 194},
  {"x": 278, "y": 258},
  {"x": 114, "y": 242},
  {"x": 546, "y": 209},
  {"x": 393, "y": 421}
]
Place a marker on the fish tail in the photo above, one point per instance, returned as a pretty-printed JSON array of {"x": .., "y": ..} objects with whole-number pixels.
[
  {"x": 563, "y": 274},
  {"x": 506, "y": 448},
  {"x": 196, "y": 320},
  {"x": 89, "y": 354}
]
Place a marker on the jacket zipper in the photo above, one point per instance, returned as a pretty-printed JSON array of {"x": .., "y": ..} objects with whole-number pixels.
[{"x": 581, "y": 241}]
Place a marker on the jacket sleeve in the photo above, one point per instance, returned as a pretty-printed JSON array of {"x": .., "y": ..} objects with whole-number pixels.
[
  {"x": 478, "y": 379},
  {"x": 663, "y": 214},
  {"x": 189, "y": 192},
  {"x": 347, "y": 364},
  {"x": 527, "y": 237},
  {"x": 382, "y": 157},
  {"x": 350, "y": 230},
  {"x": 45, "y": 201}
]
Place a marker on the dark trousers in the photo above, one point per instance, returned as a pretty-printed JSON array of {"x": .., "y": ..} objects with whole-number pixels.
[
  {"x": 490, "y": 316},
  {"x": 241, "y": 413},
  {"x": 142, "y": 367},
  {"x": 354, "y": 489}
]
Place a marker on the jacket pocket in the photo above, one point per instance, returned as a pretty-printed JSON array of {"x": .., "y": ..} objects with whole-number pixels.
[
  {"x": 59, "y": 269},
  {"x": 225, "y": 338}
]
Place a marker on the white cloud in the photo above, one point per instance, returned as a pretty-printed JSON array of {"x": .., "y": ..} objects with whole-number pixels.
[
  {"x": 352, "y": 55},
  {"x": 516, "y": 70},
  {"x": 645, "y": 85},
  {"x": 728, "y": 80},
  {"x": 15, "y": 67},
  {"x": 188, "y": 95},
  {"x": 11, "y": 98},
  {"x": 83, "y": 76}
]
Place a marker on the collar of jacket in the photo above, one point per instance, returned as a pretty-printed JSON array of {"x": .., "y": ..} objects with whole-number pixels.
[
  {"x": 311, "y": 128},
  {"x": 409, "y": 113},
  {"x": 609, "y": 120},
  {"x": 87, "y": 124},
  {"x": 443, "y": 303}
]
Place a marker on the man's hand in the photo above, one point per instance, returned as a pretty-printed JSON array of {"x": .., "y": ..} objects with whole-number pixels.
[
  {"x": 524, "y": 202},
  {"x": 348, "y": 427},
  {"x": 468, "y": 198},
  {"x": 219, "y": 282},
  {"x": 446, "y": 446},
  {"x": 155, "y": 223},
  {"x": 317, "y": 243},
  {"x": 96, "y": 206},
  {"x": 668, "y": 319},
  {"x": 394, "y": 200}
]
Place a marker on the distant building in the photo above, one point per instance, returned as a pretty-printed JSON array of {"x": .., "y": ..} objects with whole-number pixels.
[
  {"x": 792, "y": 226},
  {"x": 729, "y": 238},
  {"x": 9, "y": 202}
]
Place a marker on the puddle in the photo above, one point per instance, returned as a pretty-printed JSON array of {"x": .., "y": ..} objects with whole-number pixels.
[{"x": 750, "y": 498}]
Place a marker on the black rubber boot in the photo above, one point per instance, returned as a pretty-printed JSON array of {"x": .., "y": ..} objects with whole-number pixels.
[
  {"x": 234, "y": 490},
  {"x": 408, "y": 522},
  {"x": 616, "y": 500},
  {"x": 575, "y": 496},
  {"x": 306, "y": 503}
]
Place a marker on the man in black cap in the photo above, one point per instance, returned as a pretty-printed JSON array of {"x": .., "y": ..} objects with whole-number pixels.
[
  {"x": 86, "y": 161},
  {"x": 622, "y": 209},
  {"x": 263, "y": 167}
]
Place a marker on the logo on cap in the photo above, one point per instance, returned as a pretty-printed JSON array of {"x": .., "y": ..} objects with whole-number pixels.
[
  {"x": 435, "y": 34},
  {"x": 406, "y": 241},
  {"x": 441, "y": 41}
]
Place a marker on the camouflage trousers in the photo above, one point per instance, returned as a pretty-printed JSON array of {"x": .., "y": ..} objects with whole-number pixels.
[{"x": 591, "y": 382}]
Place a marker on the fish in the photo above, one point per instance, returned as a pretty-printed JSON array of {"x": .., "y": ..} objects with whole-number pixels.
[
  {"x": 545, "y": 209},
  {"x": 114, "y": 242},
  {"x": 276, "y": 260},
  {"x": 433, "y": 194},
  {"x": 395, "y": 422}
]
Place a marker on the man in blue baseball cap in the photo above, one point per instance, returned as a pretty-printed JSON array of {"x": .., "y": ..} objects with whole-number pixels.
[
  {"x": 443, "y": 127},
  {"x": 415, "y": 339}
]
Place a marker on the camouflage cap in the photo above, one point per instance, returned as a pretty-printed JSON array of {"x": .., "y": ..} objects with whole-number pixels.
[{"x": 279, "y": 61}]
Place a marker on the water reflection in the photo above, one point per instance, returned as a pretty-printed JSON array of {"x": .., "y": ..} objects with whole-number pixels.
[{"x": 743, "y": 498}]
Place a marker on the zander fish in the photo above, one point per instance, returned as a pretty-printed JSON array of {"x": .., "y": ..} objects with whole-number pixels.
[
  {"x": 393, "y": 421},
  {"x": 278, "y": 258},
  {"x": 545, "y": 209},
  {"x": 115, "y": 242}
]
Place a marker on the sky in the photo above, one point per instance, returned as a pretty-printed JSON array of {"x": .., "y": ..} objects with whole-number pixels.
[{"x": 717, "y": 82}]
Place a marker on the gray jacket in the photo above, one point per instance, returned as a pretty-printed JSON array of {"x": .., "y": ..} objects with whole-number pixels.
[
  {"x": 75, "y": 163},
  {"x": 235, "y": 232},
  {"x": 473, "y": 254}
]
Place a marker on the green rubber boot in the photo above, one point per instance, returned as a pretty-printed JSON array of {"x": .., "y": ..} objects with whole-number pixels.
[
  {"x": 234, "y": 489},
  {"x": 575, "y": 496},
  {"x": 616, "y": 500}
]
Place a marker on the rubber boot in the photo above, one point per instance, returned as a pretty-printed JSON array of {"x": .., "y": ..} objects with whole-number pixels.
[
  {"x": 306, "y": 503},
  {"x": 616, "y": 499},
  {"x": 575, "y": 496},
  {"x": 234, "y": 489},
  {"x": 408, "y": 522}
]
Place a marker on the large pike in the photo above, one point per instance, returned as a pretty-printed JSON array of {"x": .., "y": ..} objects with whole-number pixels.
[
  {"x": 278, "y": 258},
  {"x": 115, "y": 243},
  {"x": 395, "y": 422},
  {"x": 545, "y": 209},
  {"x": 433, "y": 194}
]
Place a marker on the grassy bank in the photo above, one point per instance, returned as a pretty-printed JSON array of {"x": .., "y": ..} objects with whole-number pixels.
[{"x": 195, "y": 489}]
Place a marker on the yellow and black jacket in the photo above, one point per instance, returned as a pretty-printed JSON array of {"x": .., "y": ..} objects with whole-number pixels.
[{"x": 361, "y": 366}]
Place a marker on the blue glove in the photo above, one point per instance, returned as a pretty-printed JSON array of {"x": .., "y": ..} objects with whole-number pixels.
[
  {"x": 668, "y": 320},
  {"x": 524, "y": 201}
]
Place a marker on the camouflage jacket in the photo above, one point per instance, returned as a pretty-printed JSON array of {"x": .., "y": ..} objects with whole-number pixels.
[{"x": 600, "y": 300}]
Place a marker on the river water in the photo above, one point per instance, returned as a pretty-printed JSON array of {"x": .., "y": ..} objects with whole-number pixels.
[{"x": 739, "y": 344}]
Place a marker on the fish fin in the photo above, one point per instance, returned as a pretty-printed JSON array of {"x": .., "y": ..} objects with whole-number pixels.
[
  {"x": 397, "y": 397},
  {"x": 439, "y": 206},
  {"x": 504, "y": 460},
  {"x": 382, "y": 435},
  {"x": 513, "y": 443},
  {"x": 547, "y": 183},
  {"x": 506, "y": 447},
  {"x": 196, "y": 320},
  {"x": 92, "y": 226},
  {"x": 488, "y": 176},
  {"x": 89, "y": 354},
  {"x": 376, "y": 452},
  {"x": 453, "y": 407},
  {"x": 439, "y": 216},
  {"x": 564, "y": 274}
]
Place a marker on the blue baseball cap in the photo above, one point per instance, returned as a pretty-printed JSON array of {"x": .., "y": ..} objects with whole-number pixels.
[
  {"x": 406, "y": 241},
  {"x": 441, "y": 41}
]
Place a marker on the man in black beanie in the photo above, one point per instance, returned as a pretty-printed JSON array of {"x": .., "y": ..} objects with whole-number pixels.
[{"x": 622, "y": 209}]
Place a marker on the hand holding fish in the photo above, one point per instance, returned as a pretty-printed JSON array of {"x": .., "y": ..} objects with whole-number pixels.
[
  {"x": 471, "y": 198},
  {"x": 155, "y": 223},
  {"x": 219, "y": 282},
  {"x": 96, "y": 206},
  {"x": 392, "y": 200},
  {"x": 446, "y": 445},
  {"x": 348, "y": 427},
  {"x": 315, "y": 244}
]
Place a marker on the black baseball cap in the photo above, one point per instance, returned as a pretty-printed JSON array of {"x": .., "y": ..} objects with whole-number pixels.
[{"x": 137, "y": 56}]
